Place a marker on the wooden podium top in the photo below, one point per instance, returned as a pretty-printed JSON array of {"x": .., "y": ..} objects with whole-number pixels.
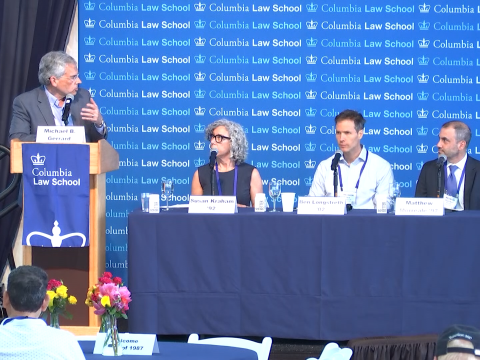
[{"x": 103, "y": 157}]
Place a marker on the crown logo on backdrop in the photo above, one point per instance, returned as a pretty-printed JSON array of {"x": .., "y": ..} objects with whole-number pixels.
[
  {"x": 199, "y": 145},
  {"x": 311, "y": 77},
  {"x": 312, "y": 7},
  {"x": 310, "y": 164},
  {"x": 89, "y": 24},
  {"x": 311, "y": 95},
  {"x": 423, "y": 79},
  {"x": 89, "y": 6},
  {"x": 422, "y": 149},
  {"x": 419, "y": 165},
  {"x": 199, "y": 128},
  {"x": 422, "y": 114},
  {"x": 310, "y": 112},
  {"x": 200, "y": 59},
  {"x": 199, "y": 111},
  {"x": 310, "y": 129},
  {"x": 424, "y": 8},
  {"x": 312, "y": 42},
  {"x": 312, "y": 25},
  {"x": 310, "y": 146},
  {"x": 89, "y": 40},
  {"x": 200, "y": 24},
  {"x": 308, "y": 181},
  {"x": 199, "y": 94},
  {"x": 422, "y": 96},
  {"x": 89, "y": 75},
  {"x": 200, "y": 41},
  {"x": 423, "y": 44},
  {"x": 92, "y": 92},
  {"x": 89, "y": 58},
  {"x": 422, "y": 131},
  {"x": 200, "y": 6},
  {"x": 311, "y": 60},
  {"x": 37, "y": 160},
  {"x": 200, "y": 76},
  {"x": 423, "y": 25},
  {"x": 199, "y": 162},
  {"x": 423, "y": 60}
]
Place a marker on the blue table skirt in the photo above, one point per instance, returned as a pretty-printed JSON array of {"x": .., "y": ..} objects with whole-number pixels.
[{"x": 302, "y": 276}]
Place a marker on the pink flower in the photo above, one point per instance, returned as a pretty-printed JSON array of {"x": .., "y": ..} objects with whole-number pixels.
[{"x": 99, "y": 309}]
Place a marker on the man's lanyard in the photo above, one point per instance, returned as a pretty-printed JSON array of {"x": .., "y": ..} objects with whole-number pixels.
[
  {"x": 361, "y": 172},
  {"x": 219, "y": 187},
  {"x": 461, "y": 176}
]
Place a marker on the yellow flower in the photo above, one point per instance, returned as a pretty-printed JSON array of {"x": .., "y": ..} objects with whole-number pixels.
[
  {"x": 51, "y": 294},
  {"x": 105, "y": 300},
  {"x": 72, "y": 299},
  {"x": 62, "y": 291}
]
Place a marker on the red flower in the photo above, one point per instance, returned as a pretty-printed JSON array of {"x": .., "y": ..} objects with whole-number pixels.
[
  {"x": 107, "y": 274},
  {"x": 117, "y": 280},
  {"x": 53, "y": 284},
  {"x": 105, "y": 280}
]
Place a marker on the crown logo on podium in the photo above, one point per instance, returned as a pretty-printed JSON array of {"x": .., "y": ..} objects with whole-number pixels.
[
  {"x": 422, "y": 79},
  {"x": 312, "y": 42},
  {"x": 199, "y": 128},
  {"x": 424, "y": 8},
  {"x": 423, "y": 44},
  {"x": 89, "y": 75},
  {"x": 200, "y": 24},
  {"x": 310, "y": 146},
  {"x": 308, "y": 181},
  {"x": 422, "y": 149},
  {"x": 89, "y": 24},
  {"x": 199, "y": 94},
  {"x": 55, "y": 239},
  {"x": 199, "y": 162},
  {"x": 199, "y": 111},
  {"x": 200, "y": 41},
  {"x": 312, "y": 7},
  {"x": 89, "y": 6},
  {"x": 37, "y": 160},
  {"x": 311, "y": 95},
  {"x": 200, "y": 6},
  {"x": 423, "y": 60},
  {"x": 200, "y": 76},
  {"x": 310, "y": 164},
  {"x": 310, "y": 112},
  {"x": 422, "y": 96},
  {"x": 423, "y": 25},
  {"x": 89, "y": 40},
  {"x": 310, "y": 129},
  {"x": 422, "y": 131},
  {"x": 311, "y": 77},
  {"x": 419, "y": 165},
  {"x": 311, "y": 60},
  {"x": 92, "y": 92},
  {"x": 200, "y": 59},
  {"x": 422, "y": 114},
  {"x": 199, "y": 145},
  {"x": 312, "y": 25},
  {"x": 89, "y": 58}
]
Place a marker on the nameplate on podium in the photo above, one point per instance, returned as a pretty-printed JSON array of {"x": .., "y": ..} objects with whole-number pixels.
[
  {"x": 419, "y": 206},
  {"x": 313, "y": 205},
  {"x": 61, "y": 134},
  {"x": 212, "y": 205}
]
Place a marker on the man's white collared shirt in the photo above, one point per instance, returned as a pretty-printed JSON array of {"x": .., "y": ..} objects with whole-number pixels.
[{"x": 458, "y": 173}]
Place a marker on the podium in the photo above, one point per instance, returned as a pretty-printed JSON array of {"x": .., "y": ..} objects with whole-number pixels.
[{"x": 79, "y": 268}]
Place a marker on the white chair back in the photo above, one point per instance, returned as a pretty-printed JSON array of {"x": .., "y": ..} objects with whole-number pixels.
[{"x": 332, "y": 351}]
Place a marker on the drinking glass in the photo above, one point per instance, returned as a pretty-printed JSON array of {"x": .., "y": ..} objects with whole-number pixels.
[
  {"x": 144, "y": 198},
  {"x": 167, "y": 190},
  {"x": 394, "y": 192},
  {"x": 274, "y": 189}
]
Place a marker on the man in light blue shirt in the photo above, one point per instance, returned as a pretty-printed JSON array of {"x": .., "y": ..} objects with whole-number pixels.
[
  {"x": 361, "y": 174},
  {"x": 23, "y": 335}
]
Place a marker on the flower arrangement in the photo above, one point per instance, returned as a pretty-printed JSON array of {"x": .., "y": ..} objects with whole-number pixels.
[{"x": 57, "y": 305}]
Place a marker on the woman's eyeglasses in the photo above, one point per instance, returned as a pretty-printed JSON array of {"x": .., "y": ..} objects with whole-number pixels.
[{"x": 218, "y": 138}]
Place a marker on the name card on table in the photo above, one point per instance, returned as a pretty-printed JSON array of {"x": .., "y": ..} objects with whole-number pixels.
[
  {"x": 419, "y": 206},
  {"x": 212, "y": 205},
  {"x": 61, "y": 134},
  {"x": 132, "y": 344},
  {"x": 310, "y": 205},
  {"x": 154, "y": 203}
]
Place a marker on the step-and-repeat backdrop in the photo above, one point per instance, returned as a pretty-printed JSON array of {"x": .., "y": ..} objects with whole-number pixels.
[{"x": 161, "y": 71}]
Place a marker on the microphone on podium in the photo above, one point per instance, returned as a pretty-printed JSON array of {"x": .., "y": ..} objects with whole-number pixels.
[{"x": 66, "y": 109}]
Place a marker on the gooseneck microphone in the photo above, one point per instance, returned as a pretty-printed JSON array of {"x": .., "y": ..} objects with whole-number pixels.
[
  {"x": 441, "y": 159},
  {"x": 213, "y": 159},
  {"x": 335, "y": 160},
  {"x": 66, "y": 108}
]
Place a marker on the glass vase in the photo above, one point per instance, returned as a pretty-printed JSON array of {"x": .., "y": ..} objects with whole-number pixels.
[
  {"x": 54, "y": 320},
  {"x": 112, "y": 345}
]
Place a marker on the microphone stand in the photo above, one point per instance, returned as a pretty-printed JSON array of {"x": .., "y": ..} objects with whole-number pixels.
[
  {"x": 212, "y": 179},
  {"x": 439, "y": 180},
  {"x": 335, "y": 181}
]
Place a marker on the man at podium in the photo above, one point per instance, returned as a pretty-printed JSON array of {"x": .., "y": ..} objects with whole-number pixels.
[{"x": 57, "y": 102}]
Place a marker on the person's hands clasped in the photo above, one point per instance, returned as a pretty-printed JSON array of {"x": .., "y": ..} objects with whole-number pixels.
[{"x": 92, "y": 113}]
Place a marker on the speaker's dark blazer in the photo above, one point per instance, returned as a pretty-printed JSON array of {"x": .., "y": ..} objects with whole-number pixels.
[
  {"x": 32, "y": 109},
  {"x": 427, "y": 183}
]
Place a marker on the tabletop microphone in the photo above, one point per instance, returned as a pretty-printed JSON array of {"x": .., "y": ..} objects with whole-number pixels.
[
  {"x": 441, "y": 159},
  {"x": 66, "y": 109},
  {"x": 336, "y": 159},
  {"x": 213, "y": 157}
]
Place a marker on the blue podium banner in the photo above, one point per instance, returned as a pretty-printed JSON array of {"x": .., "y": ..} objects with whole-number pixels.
[{"x": 56, "y": 195}]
